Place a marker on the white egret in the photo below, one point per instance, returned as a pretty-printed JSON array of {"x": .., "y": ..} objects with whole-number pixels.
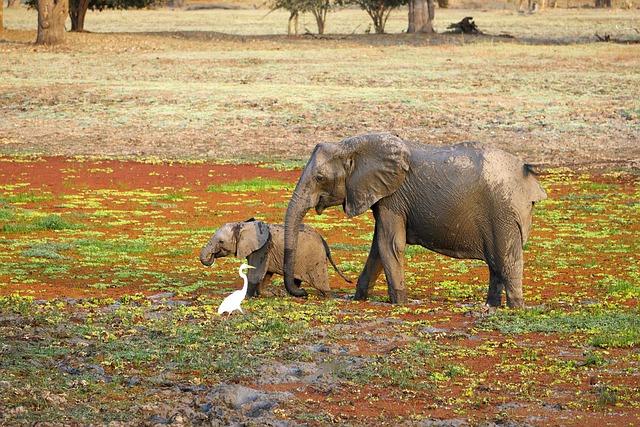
[{"x": 233, "y": 301}]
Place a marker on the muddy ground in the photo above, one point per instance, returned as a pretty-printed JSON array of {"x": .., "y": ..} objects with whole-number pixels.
[{"x": 107, "y": 316}]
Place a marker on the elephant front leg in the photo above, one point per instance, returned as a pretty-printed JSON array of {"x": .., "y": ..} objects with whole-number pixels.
[
  {"x": 370, "y": 273},
  {"x": 496, "y": 285},
  {"x": 391, "y": 238},
  {"x": 252, "y": 288},
  {"x": 255, "y": 276}
]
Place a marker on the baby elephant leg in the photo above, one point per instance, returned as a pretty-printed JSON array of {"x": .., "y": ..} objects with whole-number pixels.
[
  {"x": 256, "y": 275},
  {"x": 319, "y": 279},
  {"x": 255, "y": 278},
  {"x": 262, "y": 287}
]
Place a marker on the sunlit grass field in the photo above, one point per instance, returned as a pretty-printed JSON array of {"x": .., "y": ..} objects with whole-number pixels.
[{"x": 556, "y": 24}]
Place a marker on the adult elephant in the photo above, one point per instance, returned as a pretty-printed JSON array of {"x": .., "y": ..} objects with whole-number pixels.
[{"x": 464, "y": 201}]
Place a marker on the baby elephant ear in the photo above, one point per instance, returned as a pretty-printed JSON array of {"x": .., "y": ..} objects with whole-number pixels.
[
  {"x": 376, "y": 166},
  {"x": 251, "y": 237}
]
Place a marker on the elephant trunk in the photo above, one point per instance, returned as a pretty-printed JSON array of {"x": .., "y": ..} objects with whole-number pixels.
[
  {"x": 296, "y": 210},
  {"x": 207, "y": 255}
]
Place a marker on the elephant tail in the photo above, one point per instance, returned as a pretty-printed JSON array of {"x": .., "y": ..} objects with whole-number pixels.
[
  {"x": 335, "y": 267},
  {"x": 536, "y": 192},
  {"x": 531, "y": 169}
]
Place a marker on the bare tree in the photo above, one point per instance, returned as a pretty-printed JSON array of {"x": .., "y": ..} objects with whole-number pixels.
[
  {"x": 421, "y": 14},
  {"x": 11, "y": 3},
  {"x": 51, "y": 17}
]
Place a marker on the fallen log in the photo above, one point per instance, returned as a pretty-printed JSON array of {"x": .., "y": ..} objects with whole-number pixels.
[
  {"x": 465, "y": 26},
  {"x": 608, "y": 39}
]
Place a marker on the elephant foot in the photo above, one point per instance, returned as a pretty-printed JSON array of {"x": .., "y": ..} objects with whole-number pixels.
[
  {"x": 488, "y": 309},
  {"x": 398, "y": 296},
  {"x": 325, "y": 294},
  {"x": 301, "y": 293},
  {"x": 515, "y": 302},
  {"x": 494, "y": 302},
  {"x": 361, "y": 295}
]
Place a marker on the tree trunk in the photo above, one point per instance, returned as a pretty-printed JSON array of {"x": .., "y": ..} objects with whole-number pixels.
[
  {"x": 292, "y": 28},
  {"x": 1, "y": 16},
  {"x": 51, "y": 17},
  {"x": 321, "y": 17},
  {"x": 421, "y": 14},
  {"x": 378, "y": 24},
  {"x": 530, "y": 5},
  {"x": 11, "y": 3},
  {"x": 77, "y": 13},
  {"x": 377, "y": 15},
  {"x": 603, "y": 3}
]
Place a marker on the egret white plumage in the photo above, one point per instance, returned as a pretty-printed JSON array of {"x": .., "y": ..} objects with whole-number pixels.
[{"x": 233, "y": 301}]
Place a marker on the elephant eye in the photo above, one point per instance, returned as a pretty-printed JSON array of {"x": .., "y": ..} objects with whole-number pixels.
[{"x": 320, "y": 178}]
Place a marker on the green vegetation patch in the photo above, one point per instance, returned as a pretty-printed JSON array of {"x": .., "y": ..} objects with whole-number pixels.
[
  {"x": 49, "y": 222},
  {"x": 250, "y": 185},
  {"x": 607, "y": 328},
  {"x": 28, "y": 197},
  {"x": 50, "y": 250}
]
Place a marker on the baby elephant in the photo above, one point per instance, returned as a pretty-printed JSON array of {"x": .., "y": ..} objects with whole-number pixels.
[{"x": 263, "y": 246}]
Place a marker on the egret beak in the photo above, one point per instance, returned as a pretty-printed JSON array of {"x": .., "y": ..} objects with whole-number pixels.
[{"x": 250, "y": 266}]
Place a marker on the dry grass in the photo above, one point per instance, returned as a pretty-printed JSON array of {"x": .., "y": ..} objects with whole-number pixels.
[
  {"x": 201, "y": 94},
  {"x": 556, "y": 24}
]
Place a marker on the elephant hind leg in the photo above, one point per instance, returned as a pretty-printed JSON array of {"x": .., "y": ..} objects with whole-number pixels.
[
  {"x": 496, "y": 285},
  {"x": 322, "y": 286},
  {"x": 505, "y": 272}
]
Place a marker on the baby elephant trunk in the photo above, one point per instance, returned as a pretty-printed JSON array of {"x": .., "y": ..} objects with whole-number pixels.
[{"x": 207, "y": 256}]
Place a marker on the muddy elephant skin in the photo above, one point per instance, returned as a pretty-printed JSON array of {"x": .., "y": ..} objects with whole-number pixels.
[
  {"x": 465, "y": 201},
  {"x": 262, "y": 245}
]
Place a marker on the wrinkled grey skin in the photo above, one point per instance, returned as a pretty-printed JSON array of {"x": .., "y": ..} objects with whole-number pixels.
[
  {"x": 263, "y": 246},
  {"x": 464, "y": 201}
]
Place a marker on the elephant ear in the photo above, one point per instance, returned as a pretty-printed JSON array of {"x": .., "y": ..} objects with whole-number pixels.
[
  {"x": 377, "y": 166},
  {"x": 250, "y": 237}
]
